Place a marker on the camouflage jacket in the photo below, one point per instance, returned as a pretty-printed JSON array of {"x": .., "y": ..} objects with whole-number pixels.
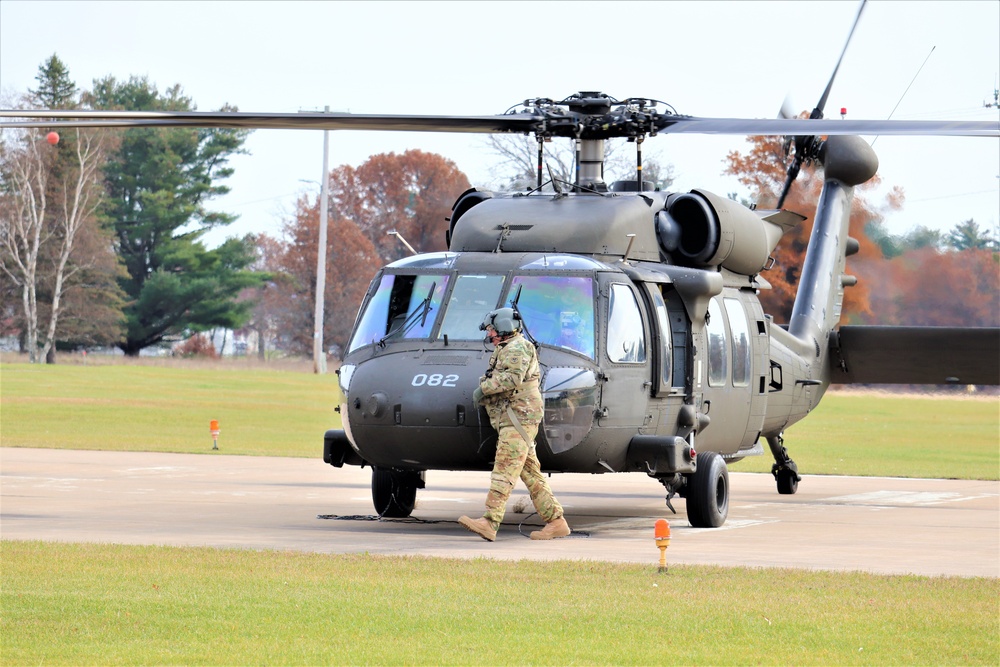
[{"x": 512, "y": 380}]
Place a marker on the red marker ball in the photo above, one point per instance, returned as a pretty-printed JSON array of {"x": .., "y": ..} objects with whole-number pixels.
[{"x": 52, "y": 138}]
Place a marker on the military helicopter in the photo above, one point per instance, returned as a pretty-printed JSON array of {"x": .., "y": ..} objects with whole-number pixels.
[{"x": 657, "y": 355}]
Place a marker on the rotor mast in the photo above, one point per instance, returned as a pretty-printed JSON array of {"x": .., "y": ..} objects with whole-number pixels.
[{"x": 590, "y": 150}]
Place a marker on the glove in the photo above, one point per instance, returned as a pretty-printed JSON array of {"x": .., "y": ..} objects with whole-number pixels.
[{"x": 477, "y": 396}]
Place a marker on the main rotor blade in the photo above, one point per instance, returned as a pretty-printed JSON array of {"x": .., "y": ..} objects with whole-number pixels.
[
  {"x": 523, "y": 122},
  {"x": 829, "y": 127},
  {"x": 285, "y": 121}
]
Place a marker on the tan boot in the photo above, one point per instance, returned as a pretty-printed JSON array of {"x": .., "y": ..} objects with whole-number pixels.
[
  {"x": 480, "y": 527},
  {"x": 556, "y": 528}
]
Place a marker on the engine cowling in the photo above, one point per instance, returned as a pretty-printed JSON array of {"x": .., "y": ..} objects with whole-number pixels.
[{"x": 701, "y": 229}]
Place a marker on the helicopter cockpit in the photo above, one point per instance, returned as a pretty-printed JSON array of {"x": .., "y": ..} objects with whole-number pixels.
[
  {"x": 556, "y": 299},
  {"x": 419, "y": 324}
]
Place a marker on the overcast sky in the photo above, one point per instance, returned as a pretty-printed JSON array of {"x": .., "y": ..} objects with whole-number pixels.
[{"x": 716, "y": 59}]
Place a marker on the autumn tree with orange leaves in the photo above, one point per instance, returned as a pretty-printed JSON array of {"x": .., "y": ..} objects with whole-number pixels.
[
  {"x": 931, "y": 287},
  {"x": 762, "y": 169},
  {"x": 411, "y": 194},
  {"x": 351, "y": 261}
]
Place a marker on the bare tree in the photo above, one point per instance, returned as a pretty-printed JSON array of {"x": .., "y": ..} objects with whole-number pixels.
[
  {"x": 518, "y": 165},
  {"x": 46, "y": 201}
]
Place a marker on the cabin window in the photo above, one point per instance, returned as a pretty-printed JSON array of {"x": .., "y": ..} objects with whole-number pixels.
[
  {"x": 626, "y": 338},
  {"x": 558, "y": 310},
  {"x": 715, "y": 329},
  {"x": 403, "y": 306},
  {"x": 740, "y": 331},
  {"x": 470, "y": 300}
]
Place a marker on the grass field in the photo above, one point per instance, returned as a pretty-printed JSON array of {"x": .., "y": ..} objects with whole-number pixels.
[
  {"x": 101, "y": 604},
  {"x": 282, "y": 413},
  {"x": 159, "y": 408},
  {"x": 83, "y": 604}
]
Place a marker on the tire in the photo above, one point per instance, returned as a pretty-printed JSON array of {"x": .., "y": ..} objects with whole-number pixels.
[
  {"x": 394, "y": 492},
  {"x": 788, "y": 481},
  {"x": 708, "y": 495}
]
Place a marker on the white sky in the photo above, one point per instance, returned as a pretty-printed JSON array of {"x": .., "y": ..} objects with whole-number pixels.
[{"x": 715, "y": 59}]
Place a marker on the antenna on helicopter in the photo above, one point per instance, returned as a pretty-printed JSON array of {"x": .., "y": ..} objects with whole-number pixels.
[
  {"x": 995, "y": 104},
  {"x": 402, "y": 240},
  {"x": 554, "y": 181},
  {"x": 907, "y": 88}
]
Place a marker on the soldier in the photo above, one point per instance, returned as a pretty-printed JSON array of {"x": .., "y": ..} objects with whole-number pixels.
[{"x": 509, "y": 391}]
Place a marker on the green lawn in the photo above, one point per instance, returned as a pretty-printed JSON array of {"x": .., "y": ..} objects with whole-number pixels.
[
  {"x": 283, "y": 413},
  {"x": 877, "y": 434},
  {"x": 105, "y": 604},
  {"x": 166, "y": 409}
]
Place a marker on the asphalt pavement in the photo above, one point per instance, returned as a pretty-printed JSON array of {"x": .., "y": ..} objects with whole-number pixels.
[{"x": 874, "y": 524}]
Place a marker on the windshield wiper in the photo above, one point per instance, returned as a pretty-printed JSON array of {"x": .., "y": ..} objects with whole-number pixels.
[{"x": 418, "y": 314}]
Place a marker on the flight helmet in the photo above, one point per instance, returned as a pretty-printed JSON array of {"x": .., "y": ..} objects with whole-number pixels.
[{"x": 506, "y": 321}]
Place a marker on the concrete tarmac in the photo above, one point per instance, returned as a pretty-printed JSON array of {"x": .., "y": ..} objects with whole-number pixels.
[{"x": 883, "y": 525}]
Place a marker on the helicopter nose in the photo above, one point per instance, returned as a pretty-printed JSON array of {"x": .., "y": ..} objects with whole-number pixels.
[{"x": 412, "y": 392}]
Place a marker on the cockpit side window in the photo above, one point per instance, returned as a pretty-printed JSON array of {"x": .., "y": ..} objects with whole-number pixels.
[
  {"x": 472, "y": 297},
  {"x": 558, "y": 310},
  {"x": 626, "y": 337},
  {"x": 403, "y": 306}
]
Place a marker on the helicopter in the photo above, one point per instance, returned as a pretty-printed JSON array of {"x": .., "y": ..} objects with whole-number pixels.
[{"x": 656, "y": 354}]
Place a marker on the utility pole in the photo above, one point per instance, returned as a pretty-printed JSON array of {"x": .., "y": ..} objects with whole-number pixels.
[{"x": 319, "y": 354}]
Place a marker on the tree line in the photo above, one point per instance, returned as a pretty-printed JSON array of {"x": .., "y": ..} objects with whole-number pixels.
[
  {"x": 100, "y": 234},
  {"x": 100, "y": 229},
  {"x": 923, "y": 277}
]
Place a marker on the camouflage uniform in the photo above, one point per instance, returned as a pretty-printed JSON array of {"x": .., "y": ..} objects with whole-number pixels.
[{"x": 512, "y": 382}]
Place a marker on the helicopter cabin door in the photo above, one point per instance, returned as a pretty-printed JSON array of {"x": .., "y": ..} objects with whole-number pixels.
[
  {"x": 729, "y": 383},
  {"x": 625, "y": 356}
]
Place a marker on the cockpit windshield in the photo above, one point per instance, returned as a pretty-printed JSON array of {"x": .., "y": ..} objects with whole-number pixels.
[
  {"x": 472, "y": 297},
  {"x": 558, "y": 310},
  {"x": 404, "y": 306}
]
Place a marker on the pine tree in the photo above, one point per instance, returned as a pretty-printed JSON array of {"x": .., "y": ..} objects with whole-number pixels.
[
  {"x": 55, "y": 89},
  {"x": 158, "y": 182}
]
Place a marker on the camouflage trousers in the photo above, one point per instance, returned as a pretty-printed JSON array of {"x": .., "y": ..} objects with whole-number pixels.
[{"x": 516, "y": 458}]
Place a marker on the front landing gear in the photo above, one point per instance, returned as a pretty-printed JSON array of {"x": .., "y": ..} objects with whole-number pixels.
[
  {"x": 394, "y": 492},
  {"x": 785, "y": 472}
]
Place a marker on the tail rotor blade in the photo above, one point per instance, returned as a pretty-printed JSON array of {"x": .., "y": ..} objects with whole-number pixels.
[
  {"x": 818, "y": 111},
  {"x": 807, "y": 146},
  {"x": 793, "y": 171}
]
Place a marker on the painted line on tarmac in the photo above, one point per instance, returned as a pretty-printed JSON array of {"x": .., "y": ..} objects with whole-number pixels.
[{"x": 922, "y": 498}]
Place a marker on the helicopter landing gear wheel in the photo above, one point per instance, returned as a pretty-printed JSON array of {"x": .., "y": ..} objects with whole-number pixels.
[
  {"x": 394, "y": 492},
  {"x": 788, "y": 481},
  {"x": 708, "y": 492},
  {"x": 785, "y": 472}
]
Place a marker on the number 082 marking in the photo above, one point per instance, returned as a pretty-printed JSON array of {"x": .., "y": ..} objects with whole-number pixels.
[{"x": 434, "y": 380}]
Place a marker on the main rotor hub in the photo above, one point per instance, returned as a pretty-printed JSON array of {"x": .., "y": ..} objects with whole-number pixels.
[{"x": 593, "y": 115}]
